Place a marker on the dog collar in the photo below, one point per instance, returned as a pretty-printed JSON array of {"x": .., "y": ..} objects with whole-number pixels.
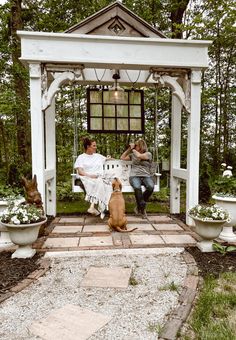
[{"x": 116, "y": 190}]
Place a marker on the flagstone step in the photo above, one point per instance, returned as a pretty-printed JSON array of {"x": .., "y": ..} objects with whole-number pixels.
[{"x": 77, "y": 233}]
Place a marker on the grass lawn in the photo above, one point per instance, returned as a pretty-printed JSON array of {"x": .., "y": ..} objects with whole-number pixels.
[
  {"x": 80, "y": 207},
  {"x": 214, "y": 316},
  {"x": 159, "y": 203}
]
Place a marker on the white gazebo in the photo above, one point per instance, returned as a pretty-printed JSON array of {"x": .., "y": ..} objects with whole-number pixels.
[{"x": 88, "y": 53}]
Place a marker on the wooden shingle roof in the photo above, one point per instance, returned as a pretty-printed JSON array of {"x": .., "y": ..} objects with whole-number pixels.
[{"x": 117, "y": 20}]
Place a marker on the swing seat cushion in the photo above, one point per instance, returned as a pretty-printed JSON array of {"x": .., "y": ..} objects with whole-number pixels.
[{"x": 120, "y": 169}]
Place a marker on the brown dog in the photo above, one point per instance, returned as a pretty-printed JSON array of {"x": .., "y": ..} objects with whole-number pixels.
[{"x": 117, "y": 220}]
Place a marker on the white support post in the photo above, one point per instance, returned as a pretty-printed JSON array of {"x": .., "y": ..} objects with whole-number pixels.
[
  {"x": 175, "y": 154},
  {"x": 50, "y": 173},
  {"x": 37, "y": 127},
  {"x": 192, "y": 191}
]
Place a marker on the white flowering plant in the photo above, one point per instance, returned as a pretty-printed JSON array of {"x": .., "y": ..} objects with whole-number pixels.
[
  {"x": 225, "y": 185},
  {"x": 21, "y": 214},
  {"x": 209, "y": 213}
]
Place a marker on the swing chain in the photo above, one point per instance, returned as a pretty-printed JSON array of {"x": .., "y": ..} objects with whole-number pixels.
[
  {"x": 155, "y": 128},
  {"x": 75, "y": 149}
]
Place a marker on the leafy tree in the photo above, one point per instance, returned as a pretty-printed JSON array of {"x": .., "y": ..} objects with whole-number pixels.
[{"x": 213, "y": 20}]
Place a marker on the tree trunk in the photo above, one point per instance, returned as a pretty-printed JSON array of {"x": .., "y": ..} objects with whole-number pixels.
[
  {"x": 4, "y": 157},
  {"x": 178, "y": 7},
  {"x": 20, "y": 84}
]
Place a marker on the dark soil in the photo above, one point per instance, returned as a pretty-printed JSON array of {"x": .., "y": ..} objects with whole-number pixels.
[
  {"x": 13, "y": 271},
  {"x": 213, "y": 263}
]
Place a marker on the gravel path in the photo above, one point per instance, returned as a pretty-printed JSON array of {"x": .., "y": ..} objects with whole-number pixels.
[{"x": 138, "y": 312}]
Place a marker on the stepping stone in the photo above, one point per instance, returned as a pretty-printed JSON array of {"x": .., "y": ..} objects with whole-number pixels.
[
  {"x": 96, "y": 241},
  {"x": 67, "y": 229},
  {"x": 178, "y": 239},
  {"x": 141, "y": 227},
  {"x": 146, "y": 239},
  {"x": 167, "y": 226},
  {"x": 60, "y": 242},
  {"x": 104, "y": 277},
  {"x": 71, "y": 220},
  {"x": 69, "y": 323},
  {"x": 134, "y": 219},
  {"x": 96, "y": 228},
  {"x": 161, "y": 218}
]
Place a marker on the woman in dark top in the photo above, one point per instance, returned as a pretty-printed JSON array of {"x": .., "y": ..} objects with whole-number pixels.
[{"x": 140, "y": 173}]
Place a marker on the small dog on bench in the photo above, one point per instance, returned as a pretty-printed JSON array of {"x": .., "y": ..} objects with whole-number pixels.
[{"x": 117, "y": 220}]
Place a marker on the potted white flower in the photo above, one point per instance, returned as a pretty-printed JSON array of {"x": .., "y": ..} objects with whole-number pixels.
[
  {"x": 7, "y": 194},
  {"x": 23, "y": 222},
  {"x": 209, "y": 221},
  {"x": 224, "y": 189}
]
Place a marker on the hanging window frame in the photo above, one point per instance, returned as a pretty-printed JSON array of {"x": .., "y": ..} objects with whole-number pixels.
[{"x": 110, "y": 117}]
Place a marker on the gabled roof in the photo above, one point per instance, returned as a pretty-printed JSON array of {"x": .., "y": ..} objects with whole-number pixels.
[{"x": 117, "y": 20}]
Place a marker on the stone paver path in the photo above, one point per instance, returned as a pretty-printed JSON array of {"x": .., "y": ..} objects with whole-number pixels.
[
  {"x": 87, "y": 233},
  {"x": 116, "y": 277},
  {"x": 69, "y": 323}
]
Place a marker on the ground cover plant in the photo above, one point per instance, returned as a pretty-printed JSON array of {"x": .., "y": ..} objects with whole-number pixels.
[{"x": 213, "y": 316}]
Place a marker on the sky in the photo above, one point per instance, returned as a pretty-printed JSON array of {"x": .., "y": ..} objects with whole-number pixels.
[{"x": 2, "y": 2}]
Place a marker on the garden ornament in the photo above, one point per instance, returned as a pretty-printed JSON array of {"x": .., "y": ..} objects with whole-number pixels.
[{"x": 32, "y": 195}]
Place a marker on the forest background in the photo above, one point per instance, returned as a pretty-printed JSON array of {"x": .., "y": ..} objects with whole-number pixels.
[{"x": 184, "y": 19}]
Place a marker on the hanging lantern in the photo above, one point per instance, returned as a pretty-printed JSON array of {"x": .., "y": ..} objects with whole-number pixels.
[{"x": 117, "y": 93}]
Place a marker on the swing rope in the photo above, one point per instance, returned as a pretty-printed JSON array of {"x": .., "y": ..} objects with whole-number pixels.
[
  {"x": 156, "y": 156},
  {"x": 75, "y": 148}
]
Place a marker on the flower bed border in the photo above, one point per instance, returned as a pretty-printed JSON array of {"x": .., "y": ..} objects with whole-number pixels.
[
  {"x": 180, "y": 314},
  {"x": 44, "y": 265}
]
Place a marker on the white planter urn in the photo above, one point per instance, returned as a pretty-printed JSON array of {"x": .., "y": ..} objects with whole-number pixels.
[
  {"x": 208, "y": 230},
  {"x": 24, "y": 235},
  {"x": 5, "y": 240},
  {"x": 4, "y": 235},
  {"x": 228, "y": 203}
]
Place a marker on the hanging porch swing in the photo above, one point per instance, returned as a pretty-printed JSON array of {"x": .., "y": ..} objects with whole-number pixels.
[{"x": 116, "y": 167}]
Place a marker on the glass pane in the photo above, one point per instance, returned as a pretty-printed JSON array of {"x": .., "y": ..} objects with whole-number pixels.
[
  {"x": 109, "y": 124},
  {"x": 122, "y": 124},
  {"x": 123, "y": 99},
  {"x": 122, "y": 111},
  {"x": 116, "y": 97},
  {"x": 135, "y": 111},
  {"x": 135, "y": 124},
  {"x": 96, "y": 123},
  {"x": 95, "y": 110},
  {"x": 95, "y": 97},
  {"x": 109, "y": 111},
  {"x": 135, "y": 97},
  {"x": 108, "y": 97}
]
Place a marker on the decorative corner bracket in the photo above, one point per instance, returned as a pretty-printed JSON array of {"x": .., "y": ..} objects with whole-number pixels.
[
  {"x": 59, "y": 80},
  {"x": 182, "y": 93}
]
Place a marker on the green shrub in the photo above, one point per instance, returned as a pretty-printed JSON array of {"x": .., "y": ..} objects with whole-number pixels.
[
  {"x": 64, "y": 192},
  {"x": 225, "y": 186},
  {"x": 8, "y": 192}
]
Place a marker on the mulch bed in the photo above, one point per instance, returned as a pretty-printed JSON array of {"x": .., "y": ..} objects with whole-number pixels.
[
  {"x": 213, "y": 263},
  {"x": 12, "y": 271}
]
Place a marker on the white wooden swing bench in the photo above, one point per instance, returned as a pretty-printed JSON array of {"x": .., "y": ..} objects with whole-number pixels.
[{"x": 120, "y": 169}]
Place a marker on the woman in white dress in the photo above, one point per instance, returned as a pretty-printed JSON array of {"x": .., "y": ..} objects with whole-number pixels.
[{"x": 89, "y": 167}]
